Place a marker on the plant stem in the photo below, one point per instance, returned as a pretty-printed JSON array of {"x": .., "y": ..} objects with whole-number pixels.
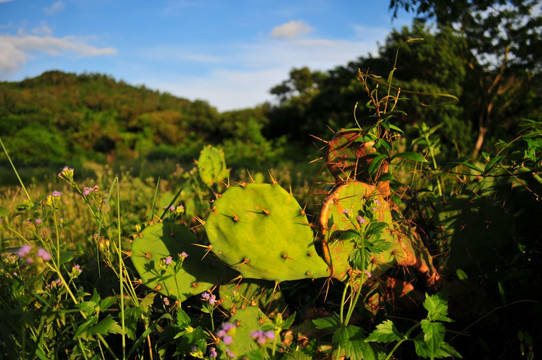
[{"x": 16, "y": 172}]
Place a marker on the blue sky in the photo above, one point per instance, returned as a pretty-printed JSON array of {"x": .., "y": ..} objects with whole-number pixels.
[{"x": 229, "y": 53}]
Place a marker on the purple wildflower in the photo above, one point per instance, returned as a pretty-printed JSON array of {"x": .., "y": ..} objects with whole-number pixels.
[
  {"x": 223, "y": 333},
  {"x": 205, "y": 296},
  {"x": 166, "y": 301},
  {"x": 38, "y": 221},
  {"x": 42, "y": 253},
  {"x": 172, "y": 208},
  {"x": 212, "y": 353},
  {"x": 230, "y": 354},
  {"x": 77, "y": 268},
  {"x": 167, "y": 261},
  {"x": 56, "y": 193},
  {"x": 360, "y": 219},
  {"x": 24, "y": 250},
  {"x": 346, "y": 211},
  {"x": 183, "y": 255},
  {"x": 212, "y": 299},
  {"x": 261, "y": 336}
]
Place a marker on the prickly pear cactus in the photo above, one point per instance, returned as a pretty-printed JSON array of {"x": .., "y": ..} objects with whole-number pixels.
[
  {"x": 354, "y": 210},
  {"x": 212, "y": 166},
  {"x": 168, "y": 261},
  {"x": 261, "y": 231},
  {"x": 250, "y": 292},
  {"x": 249, "y": 332},
  {"x": 349, "y": 157}
]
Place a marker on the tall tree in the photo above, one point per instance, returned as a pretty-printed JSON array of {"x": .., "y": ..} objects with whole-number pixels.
[{"x": 505, "y": 52}]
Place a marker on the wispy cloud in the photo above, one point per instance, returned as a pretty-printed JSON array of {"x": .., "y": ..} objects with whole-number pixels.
[
  {"x": 15, "y": 50},
  {"x": 5, "y": 1},
  {"x": 246, "y": 72},
  {"x": 291, "y": 29},
  {"x": 55, "y": 8}
]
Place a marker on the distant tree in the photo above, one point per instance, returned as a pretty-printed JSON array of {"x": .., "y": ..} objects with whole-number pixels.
[{"x": 504, "y": 54}]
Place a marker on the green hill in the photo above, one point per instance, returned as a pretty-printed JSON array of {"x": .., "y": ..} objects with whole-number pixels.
[{"x": 58, "y": 117}]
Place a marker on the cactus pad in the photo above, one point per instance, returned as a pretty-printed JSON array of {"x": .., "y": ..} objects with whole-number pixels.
[
  {"x": 212, "y": 166},
  {"x": 261, "y": 231},
  {"x": 180, "y": 278}
]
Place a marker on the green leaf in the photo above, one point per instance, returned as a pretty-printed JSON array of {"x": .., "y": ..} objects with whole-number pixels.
[
  {"x": 87, "y": 307},
  {"x": 85, "y": 326},
  {"x": 412, "y": 156},
  {"x": 183, "y": 319},
  {"x": 329, "y": 322},
  {"x": 66, "y": 256},
  {"x": 469, "y": 165},
  {"x": 106, "y": 326},
  {"x": 461, "y": 275},
  {"x": 3, "y": 212},
  {"x": 437, "y": 308},
  {"x": 433, "y": 336},
  {"x": 393, "y": 127},
  {"x": 385, "y": 332},
  {"x": 375, "y": 228},
  {"x": 147, "y": 302},
  {"x": 352, "y": 340},
  {"x": 375, "y": 164},
  {"x": 494, "y": 161}
]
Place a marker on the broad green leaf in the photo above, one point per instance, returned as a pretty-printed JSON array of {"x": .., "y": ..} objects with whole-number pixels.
[
  {"x": 328, "y": 322},
  {"x": 433, "y": 336},
  {"x": 385, "y": 332},
  {"x": 352, "y": 340},
  {"x": 87, "y": 307},
  {"x": 412, "y": 156},
  {"x": 147, "y": 301},
  {"x": 106, "y": 326},
  {"x": 437, "y": 308}
]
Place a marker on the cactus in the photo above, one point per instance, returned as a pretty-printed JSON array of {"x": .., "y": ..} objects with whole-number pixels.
[
  {"x": 168, "y": 261},
  {"x": 212, "y": 166},
  {"x": 248, "y": 292},
  {"x": 261, "y": 231},
  {"x": 348, "y": 158},
  {"x": 237, "y": 338},
  {"x": 352, "y": 210}
]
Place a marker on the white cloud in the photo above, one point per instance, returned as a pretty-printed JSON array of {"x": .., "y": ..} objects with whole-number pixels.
[
  {"x": 42, "y": 30},
  {"x": 15, "y": 50},
  {"x": 291, "y": 29},
  {"x": 56, "y": 7},
  {"x": 247, "y": 72}
]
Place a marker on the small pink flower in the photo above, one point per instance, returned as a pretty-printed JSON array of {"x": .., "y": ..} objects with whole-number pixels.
[
  {"x": 56, "y": 193},
  {"x": 24, "y": 250},
  {"x": 42, "y": 253}
]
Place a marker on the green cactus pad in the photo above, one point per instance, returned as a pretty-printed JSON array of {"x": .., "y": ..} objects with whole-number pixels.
[
  {"x": 261, "y": 231},
  {"x": 181, "y": 278},
  {"x": 240, "y": 328},
  {"x": 347, "y": 212},
  {"x": 212, "y": 166},
  {"x": 261, "y": 293}
]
